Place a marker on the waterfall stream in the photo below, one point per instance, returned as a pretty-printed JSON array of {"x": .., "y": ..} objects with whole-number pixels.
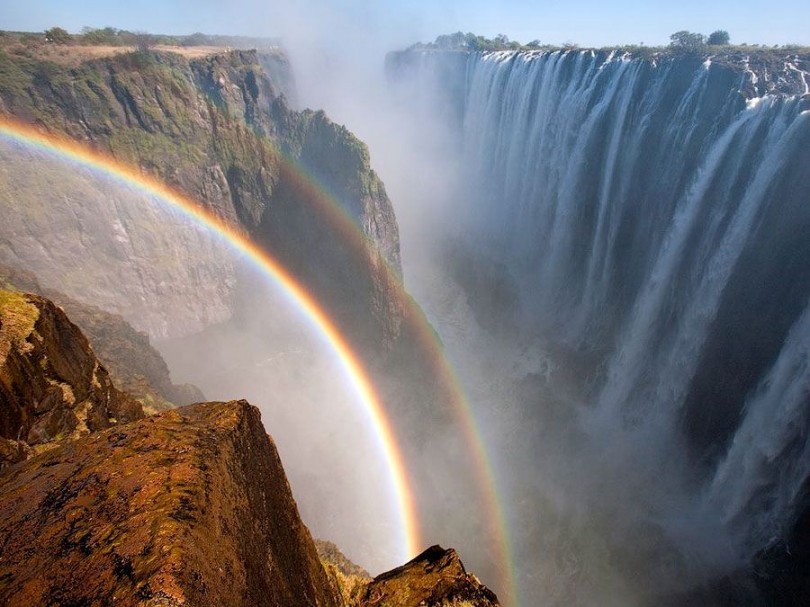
[{"x": 654, "y": 217}]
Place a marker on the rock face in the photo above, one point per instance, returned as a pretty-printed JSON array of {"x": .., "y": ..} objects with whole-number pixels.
[
  {"x": 277, "y": 66},
  {"x": 435, "y": 577},
  {"x": 218, "y": 130},
  {"x": 190, "y": 507},
  {"x": 51, "y": 384},
  {"x": 134, "y": 365}
]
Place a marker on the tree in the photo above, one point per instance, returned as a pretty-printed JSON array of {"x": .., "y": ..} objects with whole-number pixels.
[
  {"x": 687, "y": 42},
  {"x": 57, "y": 35},
  {"x": 451, "y": 41},
  {"x": 143, "y": 41},
  {"x": 107, "y": 36},
  {"x": 718, "y": 38}
]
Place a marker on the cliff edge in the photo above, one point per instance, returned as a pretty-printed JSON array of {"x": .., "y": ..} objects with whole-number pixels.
[
  {"x": 190, "y": 507},
  {"x": 435, "y": 577}
]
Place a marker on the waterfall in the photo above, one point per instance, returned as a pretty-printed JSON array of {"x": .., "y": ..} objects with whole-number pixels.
[{"x": 654, "y": 215}]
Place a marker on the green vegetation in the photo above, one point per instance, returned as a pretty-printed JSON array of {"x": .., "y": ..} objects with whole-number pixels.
[
  {"x": 15, "y": 75},
  {"x": 718, "y": 38},
  {"x": 57, "y": 35},
  {"x": 687, "y": 42},
  {"x": 114, "y": 37},
  {"x": 107, "y": 36},
  {"x": 471, "y": 42},
  {"x": 682, "y": 43},
  {"x": 691, "y": 42}
]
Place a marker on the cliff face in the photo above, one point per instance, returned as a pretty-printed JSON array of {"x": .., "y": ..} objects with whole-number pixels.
[
  {"x": 277, "y": 66},
  {"x": 216, "y": 129},
  {"x": 51, "y": 384},
  {"x": 190, "y": 507}
]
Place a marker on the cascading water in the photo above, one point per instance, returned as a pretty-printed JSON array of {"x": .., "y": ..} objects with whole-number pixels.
[{"x": 654, "y": 217}]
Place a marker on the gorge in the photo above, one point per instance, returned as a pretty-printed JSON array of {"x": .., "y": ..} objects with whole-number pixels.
[{"x": 609, "y": 246}]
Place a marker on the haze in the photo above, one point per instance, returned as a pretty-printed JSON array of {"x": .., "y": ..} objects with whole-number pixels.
[{"x": 588, "y": 23}]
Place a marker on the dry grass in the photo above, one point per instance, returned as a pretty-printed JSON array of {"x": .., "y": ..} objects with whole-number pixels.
[
  {"x": 73, "y": 55},
  {"x": 192, "y": 52}
]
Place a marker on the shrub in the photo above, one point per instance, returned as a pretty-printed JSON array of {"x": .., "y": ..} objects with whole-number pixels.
[{"x": 57, "y": 35}]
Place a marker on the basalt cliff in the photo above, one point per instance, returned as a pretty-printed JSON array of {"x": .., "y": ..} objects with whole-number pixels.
[{"x": 218, "y": 130}]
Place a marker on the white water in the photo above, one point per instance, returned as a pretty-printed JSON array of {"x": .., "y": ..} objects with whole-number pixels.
[{"x": 629, "y": 201}]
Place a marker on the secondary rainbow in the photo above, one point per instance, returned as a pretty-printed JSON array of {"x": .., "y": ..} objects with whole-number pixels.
[
  {"x": 431, "y": 347},
  {"x": 74, "y": 152},
  {"x": 70, "y": 150}
]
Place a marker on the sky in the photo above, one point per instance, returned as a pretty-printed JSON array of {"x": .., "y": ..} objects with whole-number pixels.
[{"x": 586, "y": 22}]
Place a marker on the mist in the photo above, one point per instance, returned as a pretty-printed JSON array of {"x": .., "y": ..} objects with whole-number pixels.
[
  {"x": 272, "y": 356},
  {"x": 220, "y": 324},
  {"x": 601, "y": 484}
]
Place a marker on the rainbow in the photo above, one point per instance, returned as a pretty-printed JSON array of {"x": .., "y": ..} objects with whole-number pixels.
[{"x": 68, "y": 149}]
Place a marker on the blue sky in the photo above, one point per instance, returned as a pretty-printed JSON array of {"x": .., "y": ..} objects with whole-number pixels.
[{"x": 586, "y": 22}]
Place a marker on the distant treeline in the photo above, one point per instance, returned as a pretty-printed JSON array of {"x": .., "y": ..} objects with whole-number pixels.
[
  {"x": 680, "y": 42},
  {"x": 472, "y": 42},
  {"x": 110, "y": 36}
]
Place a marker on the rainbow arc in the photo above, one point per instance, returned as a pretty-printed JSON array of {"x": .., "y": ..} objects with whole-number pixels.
[{"x": 61, "y": 147}]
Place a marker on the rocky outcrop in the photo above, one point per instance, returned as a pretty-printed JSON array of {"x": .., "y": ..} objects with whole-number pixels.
[
  {"x": 134, "y": 365},
  {"x": 347, "y": 579},
  {"x": 51, "y": 384},
  {"x": 330, "y": 553},
  {"x": 190, "y": 507},
  {"x": 435, "y": 577}
]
